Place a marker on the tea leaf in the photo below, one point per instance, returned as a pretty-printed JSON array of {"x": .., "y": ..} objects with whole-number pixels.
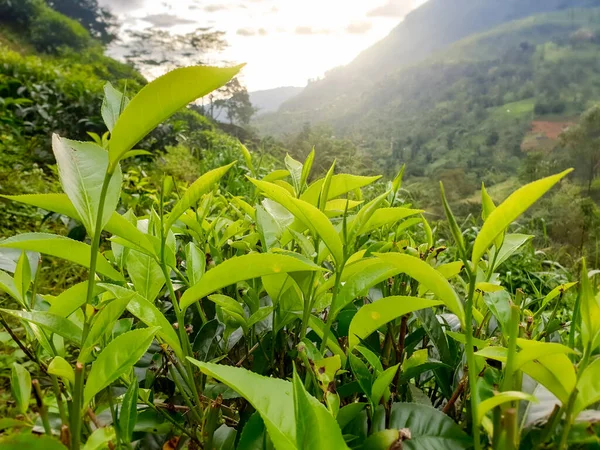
[
  {"x": 56, "y": 324},
  {"x": 82, "y": 167},
  {"x": 61, "y": 247},
  {"x": 372, "y": 316},
  {"x": 507, "y": 212},
  {"x": 100, "y": 438},
  {"x": 145, "y": 273},
  {"x": 429, "y": 428},
  {"x": 128, "y": 411},
  {"x": 427, "y": 275},
  {"x": 340, "y": 184},
  {"x": 116, "y": 359},
  {"x": 271, "y": 397},
  {"x": 242, "y": 268},
  {"x": 160, "y": 99},
  {"x": 316, "y": 221},
  {"x": 61, "y": 368},
  {"x": 315, "y": 426},
  {"x": 382, "y": 382},
  {"x": 192, "y": 196},
  {"x": 113, "y": 104},
  {"x": 20, "y": 384},
  {"x": 306, "y": 167},
  {"x": 588, "y": 387},
  {"x": 500, "y": 398}
]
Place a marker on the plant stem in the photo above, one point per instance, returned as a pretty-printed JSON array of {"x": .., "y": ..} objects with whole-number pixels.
[
  {"x": 39, "y": 398},
  {"x": 75, "y": 413},
  {"x": 80, "y": 367},
  {"x": 471, "y": 358},
  {"x": 59, "y": 400},
  {"x": 332, "y": 312}
]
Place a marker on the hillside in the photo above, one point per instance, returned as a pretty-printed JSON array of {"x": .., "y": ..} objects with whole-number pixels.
[
  {"x": 269, "y": 100},
  {"x": 470, "y": 108},
  {"x": 433, "y": 26}
]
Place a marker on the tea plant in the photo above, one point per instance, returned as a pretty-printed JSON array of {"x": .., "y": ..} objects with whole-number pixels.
[{"x": 298, "y": 316}]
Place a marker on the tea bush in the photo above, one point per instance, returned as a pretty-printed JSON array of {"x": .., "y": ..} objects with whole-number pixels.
[{"x": 255, "y": 309}]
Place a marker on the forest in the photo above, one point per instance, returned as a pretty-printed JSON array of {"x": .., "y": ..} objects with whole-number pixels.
[{"x": 402, "y": 255}]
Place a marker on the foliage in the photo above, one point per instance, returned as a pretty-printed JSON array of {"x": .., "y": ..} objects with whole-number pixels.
[
  {"x": 99, "y": 21},
  {"x": 278, "y": 312}
]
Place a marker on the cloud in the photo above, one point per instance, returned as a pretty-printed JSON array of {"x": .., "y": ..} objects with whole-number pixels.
[
  {"x": 359, "y": 27},
  {"x": 307, "y": 31},
  {"x": 251, "y": 32},
  {"x": 119, "y": 6},
  {"x": 392, "y": 8},
  {"x": 166, "y": 20},
  {"x": 214, "y": 8}
]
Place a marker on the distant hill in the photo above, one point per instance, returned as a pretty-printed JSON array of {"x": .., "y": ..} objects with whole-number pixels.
[
  {"x": 469, "y": 111},
  {"x": 270, "y": 100},
  {"x": 433, "y": 26}
]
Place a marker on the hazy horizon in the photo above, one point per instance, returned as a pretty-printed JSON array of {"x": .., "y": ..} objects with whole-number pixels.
[{"x": 282, "y": 44}]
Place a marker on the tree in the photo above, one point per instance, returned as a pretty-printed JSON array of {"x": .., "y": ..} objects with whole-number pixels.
[
  {"x": 235, "y": 101},
  {"x": 583, "y": 143},
  {"x": 99, "y": 21}
]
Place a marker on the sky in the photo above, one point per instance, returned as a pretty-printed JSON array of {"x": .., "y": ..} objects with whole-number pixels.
[{"x": 283, "y": 42}]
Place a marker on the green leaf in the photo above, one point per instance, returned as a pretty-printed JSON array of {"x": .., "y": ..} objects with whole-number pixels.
[
  {"x": 116, "y": 359},
  {"x": 505, "y": 214},
  {"x": 306, "y": 167},
  {"x": 558, "y": 290},
  {"x": 192, "y": 196},
  {"x": 318, "y": 327},
  {"x": 429, "y": 428},
  {"x": 362, "y": 375},
  {"x": 160, "y": 99},
  {"x": 149, "y": 314},
  {"x": 324, "y": 195},
  {"x": 60, "y": 203},
  {"x": 100, "y": 438},
  {"x": 20, "y": 384},
  {"x": 82, "y": 167},
  {"x": 382, "y": 382},
  {"x": 590, "y": 311},
  {"x": 8, "y": 423},
  {"x": 271, "y": 397},
  {"x": 259, "y": 316},
  {"x": 500, "y": 398},
  {"x": 511, "y": 244},
  {"x": 340, "y": 184},
  {"x": 386, "y": 440},
  {"x": 427, "y": 275},
  {"x": 243, "y": 268},
  {"x": 253, "y": 435},
  {"x": 30, "y": 441},
  {"x": 56, "y": 324},
  {"x": 7, "y": 284},
  {"x": 313, "y": 219},
  {"x": 61, "y": 247},
  {"x": 295, "y": 169},
  {"x": 128, "y": 411},
  {"x": 103, "y": 324},
  {"x": 67, "y": 302},
  {"x": 372, "y": 316},
  {"x": 113, "y": 104},
  {"x": 315, "y": 426},
  {"x": 145, "y": 273},
  {"x": 588, "y": 387},
  {"x": 247, "y": 157},
  {"x": 387, "y": 216},
  {"x": 195, "y": 261},
  {"x": 268, "y": 228},
  {"x": 61, "y": 368},
  {"x": 454, "y": 228},
  {"x": 228, "y": 303},
  {"x": 22, "y": 278},
  {"x": 348, "y": 413}
]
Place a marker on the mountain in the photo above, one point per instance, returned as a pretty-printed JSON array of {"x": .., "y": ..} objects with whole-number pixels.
[
  {"x": 433, "y": 26},
  {"x": 474, "y": 109},
  {"x": 270, "y": 100}
]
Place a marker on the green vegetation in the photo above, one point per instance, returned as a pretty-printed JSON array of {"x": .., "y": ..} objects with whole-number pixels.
[{"x": 166, "y": 285}]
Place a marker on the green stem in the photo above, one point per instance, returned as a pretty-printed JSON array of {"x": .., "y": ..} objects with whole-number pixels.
[
  {"x": 332, "y": 312},
  {"x": 59, "y": 400},
  {"x": 43, "y": 409},
  {"x": 76, "y": 417},
  {"x": 75, "y": 413},
  {"x": 471, "y": 359}
]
